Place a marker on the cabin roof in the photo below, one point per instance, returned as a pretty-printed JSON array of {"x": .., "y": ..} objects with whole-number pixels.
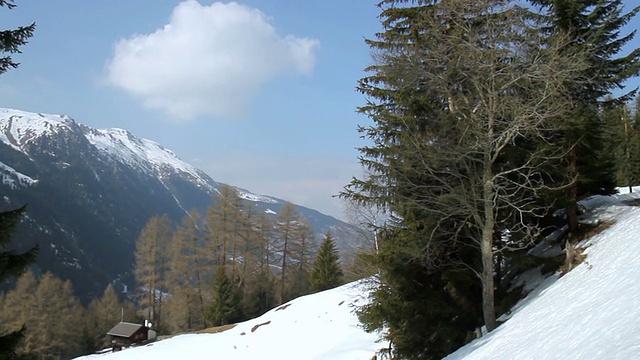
[{"x": 124, "y": 329}]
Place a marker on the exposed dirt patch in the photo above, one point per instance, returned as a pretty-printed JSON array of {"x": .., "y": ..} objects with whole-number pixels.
[
  {"x": 255, "y": 327},
  {"x": 632, "y": 202},
  {"x": 588, "y": 231},
  {"x": 217, "y": 329},
  {"x": 283, "y": 307}
]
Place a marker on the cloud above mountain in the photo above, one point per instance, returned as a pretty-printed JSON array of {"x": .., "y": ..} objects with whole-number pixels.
[{"x": 208, "y": 60}]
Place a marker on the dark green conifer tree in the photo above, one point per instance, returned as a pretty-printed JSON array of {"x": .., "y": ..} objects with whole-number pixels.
[
  {"x": 593, "y": 25},
  {"x": 455, "y": 87},
  {"x": 11, "y": 40},
  {"x": 326, "y": 273},
  {"x": 12, "y": 264},
  {"x": 225, "y": 307}
]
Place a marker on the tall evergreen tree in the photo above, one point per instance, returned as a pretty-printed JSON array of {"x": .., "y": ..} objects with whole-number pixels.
[
  {"x": 456, "y": 87},
  {"x": 593, "y": 25},
  {"x": 326, "y": 273},
  {"x": 12, "y": 264},
  {"x": 225, "y": 307}
]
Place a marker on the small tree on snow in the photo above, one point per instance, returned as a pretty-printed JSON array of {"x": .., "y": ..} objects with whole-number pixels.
[{"x": 326, "y": 272}]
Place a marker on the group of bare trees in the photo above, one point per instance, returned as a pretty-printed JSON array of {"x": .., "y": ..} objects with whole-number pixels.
[
  {"x": 228, "y": 264},
  {"x": 55, "y": 324}
]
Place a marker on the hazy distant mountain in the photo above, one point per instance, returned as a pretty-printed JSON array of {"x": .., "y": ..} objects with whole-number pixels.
[{"x": 90, "y": 192}]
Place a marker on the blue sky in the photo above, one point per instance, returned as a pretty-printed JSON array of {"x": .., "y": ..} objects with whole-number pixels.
[{"x": 260, "y": 94}]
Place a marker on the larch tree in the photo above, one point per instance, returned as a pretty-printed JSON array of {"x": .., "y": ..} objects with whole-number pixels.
[
  {"x": 103, "y": 314},
  {"x": 53, "y": 315},
  {"x": 259, "y": 287},
  {"x": 225, "y": 223},
  {"x": 291, "y": 235},
  {"x": 326, "y": 273},
  {"x": 14, "y": 315},
  {"x": 456, "y": 86},
  {"x": 151, "y": 261},
  {"x": 190, "y": 267}
]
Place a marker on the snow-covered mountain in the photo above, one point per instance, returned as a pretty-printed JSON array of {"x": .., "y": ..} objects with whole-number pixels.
[
  {"x": 591, "y": 312},
  {"x": 90, "y": 192}
]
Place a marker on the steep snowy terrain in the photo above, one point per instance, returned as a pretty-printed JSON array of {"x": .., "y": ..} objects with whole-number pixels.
[{"x": 592, "y": 312}]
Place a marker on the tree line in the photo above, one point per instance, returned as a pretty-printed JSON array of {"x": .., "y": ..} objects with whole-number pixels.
[
  {"x": 227, "y": 265},
  {"x": 489, "y": 121}
]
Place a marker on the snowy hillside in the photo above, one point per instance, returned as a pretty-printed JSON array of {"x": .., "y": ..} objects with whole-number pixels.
[
  {"x": 319, "y": 326},
  {"x": 592, "y": 312}
]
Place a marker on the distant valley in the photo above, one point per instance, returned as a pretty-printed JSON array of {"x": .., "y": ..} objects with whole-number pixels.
[{"x": 90, "y": 192}]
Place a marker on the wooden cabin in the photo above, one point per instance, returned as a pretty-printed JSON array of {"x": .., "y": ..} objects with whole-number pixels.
[{"x": 126, "y": 334}]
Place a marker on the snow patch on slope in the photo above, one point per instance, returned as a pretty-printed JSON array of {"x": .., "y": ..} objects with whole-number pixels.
[
  {"x": 13, "y": 179},
  {"x": 256, "y": 198}
]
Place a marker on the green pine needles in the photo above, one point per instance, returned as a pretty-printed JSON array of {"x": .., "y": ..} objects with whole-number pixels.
[{"x": 326, "y": 273}]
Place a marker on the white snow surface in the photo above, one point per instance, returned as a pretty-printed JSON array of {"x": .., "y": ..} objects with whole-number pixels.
[
  {"x": 592, "y": 312},
  {"x": 17, "y": 128},
  {"x": 319, "y": 326}
]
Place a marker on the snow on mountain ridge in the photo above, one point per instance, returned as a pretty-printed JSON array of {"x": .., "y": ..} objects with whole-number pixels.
[
  {"x": 18, "y": 128},
  {"x": 12, "y": 178},
  {"x": 134, "y": 151}
]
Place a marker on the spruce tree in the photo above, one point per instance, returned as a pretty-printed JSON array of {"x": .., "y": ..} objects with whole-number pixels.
[
  {"x": 12, "y": 40},
  {"x": 225, "y": 307},
  {"x": 326, "y": 273},
  {"x": 457, "y": 86},
  {"x": 594, "y": 25},
  {"x": 12, "y": 264}
]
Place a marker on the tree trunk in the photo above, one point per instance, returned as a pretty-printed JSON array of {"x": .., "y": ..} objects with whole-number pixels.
[
  {"x": 572, "y": 207},
  {"x": 486, "y": 249}
]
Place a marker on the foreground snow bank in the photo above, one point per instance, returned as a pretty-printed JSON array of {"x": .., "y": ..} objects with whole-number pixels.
[
  {"x": 592, "y": 312},
  {"x": 318, "y": 326}
]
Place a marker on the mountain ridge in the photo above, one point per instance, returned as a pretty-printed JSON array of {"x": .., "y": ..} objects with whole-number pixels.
[{"x": 90, "y": 191}]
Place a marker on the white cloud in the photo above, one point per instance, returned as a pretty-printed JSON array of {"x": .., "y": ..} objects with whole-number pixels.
[{"x": 209, "y": 60}]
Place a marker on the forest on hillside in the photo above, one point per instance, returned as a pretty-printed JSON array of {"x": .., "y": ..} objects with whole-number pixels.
[{"x": 213, "y": 269}]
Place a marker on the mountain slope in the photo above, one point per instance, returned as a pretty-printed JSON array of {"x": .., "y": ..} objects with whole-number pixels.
[
  {"x": 90, "y": 192},
  {"x": 591, "y": 312}
]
